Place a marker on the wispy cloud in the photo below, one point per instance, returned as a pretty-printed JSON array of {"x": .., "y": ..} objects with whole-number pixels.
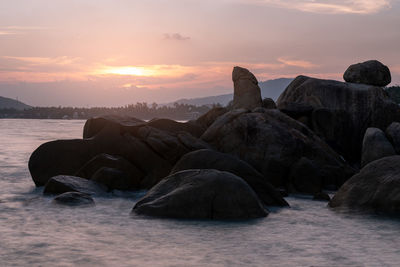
[
  {"x": 331, "y": 6},
  {"x": 175, "y": 36},
  {"x": 35, "y": 61},
  {"x": 297, "y": 63}
]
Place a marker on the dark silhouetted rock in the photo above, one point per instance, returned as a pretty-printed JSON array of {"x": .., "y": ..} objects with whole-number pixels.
[
  {"x": 113, "y": 179},
  {"x": 210, "y": 159},
  {"x": 63, "y": 183},
  {"x": 201, "y": 194},
  {"x": 272, "y": 142},
  {"x": 376, "y": 187},
  {"x": 208, "y": 118},
  {"x": 341, "y": 111},
  {"x": 370, "y": 72},
  {"x": 96, "y": 124},
  {"x": 132, "y": 173},
  {"x": 375, "y": 146},
  {"x": 393, "y": 135},
  {"x": 305, "y": 177},
  {"x": 73, "y": 199},
  {"x": 247, "y": 94},
  {"x": 268, "y": 103},
  {"x": 321, "y": 196}
]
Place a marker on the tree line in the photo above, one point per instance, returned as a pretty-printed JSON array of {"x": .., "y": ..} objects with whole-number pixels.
[{"x": 142, "y": 111}]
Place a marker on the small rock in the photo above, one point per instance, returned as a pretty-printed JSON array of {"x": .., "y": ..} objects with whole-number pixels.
[{"x": 63, "y": 183}]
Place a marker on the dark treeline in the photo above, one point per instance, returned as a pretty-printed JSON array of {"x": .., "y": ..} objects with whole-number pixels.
[
  {"x": 394, "y": 93},
  {"x": 138, "y": 110}
]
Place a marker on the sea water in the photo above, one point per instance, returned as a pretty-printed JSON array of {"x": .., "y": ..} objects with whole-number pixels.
[{"x": 35, "y": 232}]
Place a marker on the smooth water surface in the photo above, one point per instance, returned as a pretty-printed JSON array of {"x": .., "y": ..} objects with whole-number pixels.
[{"x": 35, "y": 232}]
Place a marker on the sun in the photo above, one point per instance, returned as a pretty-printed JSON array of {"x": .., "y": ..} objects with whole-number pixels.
[{"x": 129, "y": 71}]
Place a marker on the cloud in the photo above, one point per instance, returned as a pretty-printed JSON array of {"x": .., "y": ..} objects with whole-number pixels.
[
  {"x": 331, "y": 6},
  {"x": 35, "y": 61},
  {"x": 176, "y": 36},
  {"x": 7, "y": 32},
  {"x": 297, "y": 63}
]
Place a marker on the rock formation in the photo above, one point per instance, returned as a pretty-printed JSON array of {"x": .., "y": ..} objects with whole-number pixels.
[
  {"x": 247, "y": 93},
  {"x": 211, "y": 159},
  {"x": 339, "y": 112},
  {"x": 272, "y": 143}
]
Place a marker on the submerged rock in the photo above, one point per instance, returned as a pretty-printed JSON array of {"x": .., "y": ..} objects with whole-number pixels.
[
  {"x": 63, "y": 183},
  {"x": 210, "y": 159},
  {"x": 375, "y": 146},
  {"x": 341, "y": 112},
  {"x": 201, "y": 194},
  {"x": 376, "y": 187},
  {"x": 73, "y": 199},
  {"x": 247, "y": 93},
  {"x": 370, "y": 72}
]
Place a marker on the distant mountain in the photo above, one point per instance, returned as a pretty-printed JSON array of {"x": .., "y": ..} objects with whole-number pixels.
[
  {"x": 11, "y": 103},
  {"x": 270, "y": 88}
]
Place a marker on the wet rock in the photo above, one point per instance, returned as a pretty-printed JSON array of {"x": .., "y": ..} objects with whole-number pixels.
[
  {"x": 375, "y": 146},
  {"x": 370, "y": 72},
  {"x": 73, "y": 199},
  {"x": 376, "y": 187},
  {"x": 247, "y": 93},
  {"x": 393, "y": 135},
  {"x": 272, "y": 142},
  {"x": 113, "y": 179},
  {"x": 133, "y": 174},
  {"x": 210, "y": 159},
  {"x": 63, "y": 183},
  {"x": 341, "y": 111},
  {"x": 201, "y": 194}
]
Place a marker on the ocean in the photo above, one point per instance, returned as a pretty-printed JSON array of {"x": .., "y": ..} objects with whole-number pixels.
[{"x": 35, "y": 232}]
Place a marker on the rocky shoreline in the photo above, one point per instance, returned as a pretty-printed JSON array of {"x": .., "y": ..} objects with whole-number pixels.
[{"x": 234, "y": 162}]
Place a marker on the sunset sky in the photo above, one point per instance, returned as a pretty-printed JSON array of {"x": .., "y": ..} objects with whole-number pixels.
[{"x": 116, "y": 52}]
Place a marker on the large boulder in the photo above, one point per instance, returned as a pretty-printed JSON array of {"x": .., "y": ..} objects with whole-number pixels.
[
  {"x": 112, "y": 179},
  {"x": 74, "y": 199},
  {"x": 375, "y": 146},
  {"x": 393, "y": 135},
  {"x": 376, "y": 187},
  {"x": 370, "y": 72},
  {"x": 201, "y": 194},
  {"x": 340, "y": 112},
  {"x": 208, "y": 118},
  {"x": 211, "y": 159},
  {"x": 247, "y": 93},
  {"x": 272, "y": 143},
  {"x": 63, "y": 183}
]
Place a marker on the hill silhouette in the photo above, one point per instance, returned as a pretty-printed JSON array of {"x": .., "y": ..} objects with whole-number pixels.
[{"x": 8, "y": 103}]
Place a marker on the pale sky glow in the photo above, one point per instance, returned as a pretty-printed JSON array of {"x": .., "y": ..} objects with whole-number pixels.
[{"x": 104, "y": 52}]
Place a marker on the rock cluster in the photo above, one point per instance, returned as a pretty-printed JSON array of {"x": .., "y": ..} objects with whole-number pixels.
[{"x": 231, "y": 163}]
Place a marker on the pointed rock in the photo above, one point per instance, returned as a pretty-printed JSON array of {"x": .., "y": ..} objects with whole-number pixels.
[{"x": 247, "y": 93}]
